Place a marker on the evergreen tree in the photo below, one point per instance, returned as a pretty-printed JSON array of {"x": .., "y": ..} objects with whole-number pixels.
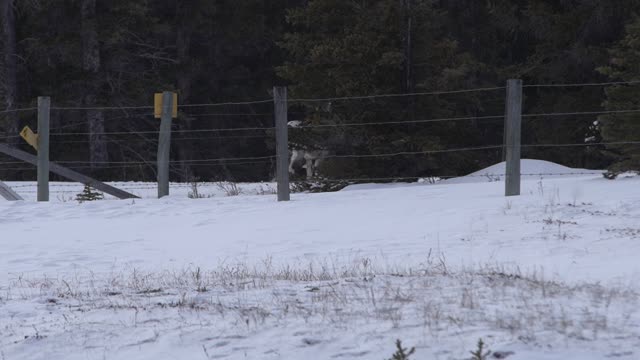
[
  {"x": 120, "y": 52},
  {"x": 88, "y": 194},
  {"x": 351, "y": 48},
  {"x": 624, "y": 66}
]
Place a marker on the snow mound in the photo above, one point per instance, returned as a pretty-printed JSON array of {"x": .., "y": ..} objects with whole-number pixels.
[{"x": 529, "y": 168}]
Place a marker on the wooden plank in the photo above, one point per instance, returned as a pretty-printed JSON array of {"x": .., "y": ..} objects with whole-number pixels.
[
  {"x": 44, "y": 103},
  {"x": 513, "y": 136},
  {"x": 67, "y": 173},
  {"x": 8, "y": 193},
  {"x": 282, "y": 142},
  {"x": 164, "y": 145}
]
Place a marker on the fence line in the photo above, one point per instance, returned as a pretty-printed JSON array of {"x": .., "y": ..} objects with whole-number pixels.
[
  {"x": 359, "y": 97},
  {"x": 490, "y": 117},
  {"x": 490, "y": 176},
  {"x": 281, "y": 109},
  {"x": 402, "y": 153},
  {"x": 241, "y": 160}
]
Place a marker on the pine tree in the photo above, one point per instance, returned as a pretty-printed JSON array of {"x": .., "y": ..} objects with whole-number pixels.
[
  {"x": 88, "y": 194},
  {"x": 625, "y": 66},
  {"x": 350, "y": 48},
  {"x": 402, "y": 353}
]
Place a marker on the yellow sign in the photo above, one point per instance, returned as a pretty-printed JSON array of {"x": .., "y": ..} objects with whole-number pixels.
[
  {"x": 157, "y": 105},
  {"x": 28, "y": 136}
]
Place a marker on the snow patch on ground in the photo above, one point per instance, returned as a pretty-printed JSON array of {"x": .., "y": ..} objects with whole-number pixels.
[{"x": 551, "y": 274}]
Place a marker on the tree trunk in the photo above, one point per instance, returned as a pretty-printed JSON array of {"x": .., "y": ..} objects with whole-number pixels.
[
  {"x": 7, "y": 15},
  {"x": 409, "y": 83},
  {"x": 98, "y": 153}
]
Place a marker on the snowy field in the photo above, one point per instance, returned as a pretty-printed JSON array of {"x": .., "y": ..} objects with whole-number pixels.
[{"x": 550, "y": 275}]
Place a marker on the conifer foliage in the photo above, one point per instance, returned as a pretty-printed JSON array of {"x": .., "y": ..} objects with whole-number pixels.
[
  {"x": 89, "y": 194},
  {"x": 114, "y": 54}
]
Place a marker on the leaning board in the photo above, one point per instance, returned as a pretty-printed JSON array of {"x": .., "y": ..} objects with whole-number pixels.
[
  {"x": 67, "y": 173},
  {"x": 7, "y": 193}
]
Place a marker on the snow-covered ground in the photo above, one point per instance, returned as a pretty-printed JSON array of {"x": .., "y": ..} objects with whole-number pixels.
[{"x": 551, "y": 274}]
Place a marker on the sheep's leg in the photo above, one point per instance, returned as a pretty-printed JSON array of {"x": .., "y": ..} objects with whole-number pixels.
[
  {"x": 316, "y": 166},
  {"x": 295, "y": 155},
  {"x": 309, "y": 168}
]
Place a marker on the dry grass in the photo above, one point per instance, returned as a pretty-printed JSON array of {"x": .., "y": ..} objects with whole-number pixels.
[{"x": 435, "y": 298}]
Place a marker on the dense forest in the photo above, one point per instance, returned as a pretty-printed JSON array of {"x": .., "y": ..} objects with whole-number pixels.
[{"x": 112, "y": 56}]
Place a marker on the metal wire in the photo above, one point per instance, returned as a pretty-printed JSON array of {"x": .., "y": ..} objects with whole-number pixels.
[
  {"x": 17, "y": 110},
  {"x": 174, "y": 139},
  {"x": 595, "y": 172},
  {"x": 226, "y": 103},
  {"x": 173, "y": 161},
  {"x": 100, "y": 107},
  {"x": 614, "y": 143},
  {"x": 364, "y": 97},
  {"x": 582, "y": 113},
  {"x": 347, "y": 124},
  {"x": 130, "y": 166},
  {"x": 402, "y": 153},
  {"x": 228, "y": 115},
  {"x": 611, "y": 83},
  {"x": 157, "y": 132},
  {"x": 400, "y": 122}
]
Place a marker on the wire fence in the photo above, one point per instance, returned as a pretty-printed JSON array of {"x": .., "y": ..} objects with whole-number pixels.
[{"x": 134, "y": 133}]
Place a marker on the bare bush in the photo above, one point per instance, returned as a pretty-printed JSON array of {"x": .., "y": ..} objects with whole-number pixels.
[{"x": 229, "y": 188}]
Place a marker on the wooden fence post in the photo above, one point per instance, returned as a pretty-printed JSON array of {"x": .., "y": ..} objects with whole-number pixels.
[
  {"x": 44, "y": 105},
  {"x": 282, "y": 142},
  {"x": 164, "y": 144},
  {"x": 513, "y": 135}
]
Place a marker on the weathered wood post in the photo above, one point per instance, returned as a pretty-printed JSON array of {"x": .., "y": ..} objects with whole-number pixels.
[
  {"x": 164, "y": 144},
  {"x": 282, "y": 145},
  {"x": 513, "y": 131},
  {"x": 44, "y": 106}
]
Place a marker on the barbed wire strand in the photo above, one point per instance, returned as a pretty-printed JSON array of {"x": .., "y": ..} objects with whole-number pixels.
[
  {"x": 226, "y": 103},
  {"x": 153, "y": 140},
  {"x": 402, "y": 153},
  {"x": 346, "y": 124},
  {"x": 359, "y": 97},
  {"x": 399, "y": 122},
  {"x": 426, "y": 93},
  {"x": 157, "y": 132},
  {"x": 6, "y": 111},
  {"x": 446, "y": 177},
  {"x": 80, "y": 108},
  {"x": 610, "y": 83},
  {"x": 174, "y": 161},
  {"x": 603, "y": 112}
]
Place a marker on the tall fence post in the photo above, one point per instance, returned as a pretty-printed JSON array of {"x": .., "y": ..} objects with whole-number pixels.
[
  {"x": 44, "y": 105},
  {"x": 282, "y": 142},
  {"x": 513, "y": 132},
  {"x": 164, "y": 144}
]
